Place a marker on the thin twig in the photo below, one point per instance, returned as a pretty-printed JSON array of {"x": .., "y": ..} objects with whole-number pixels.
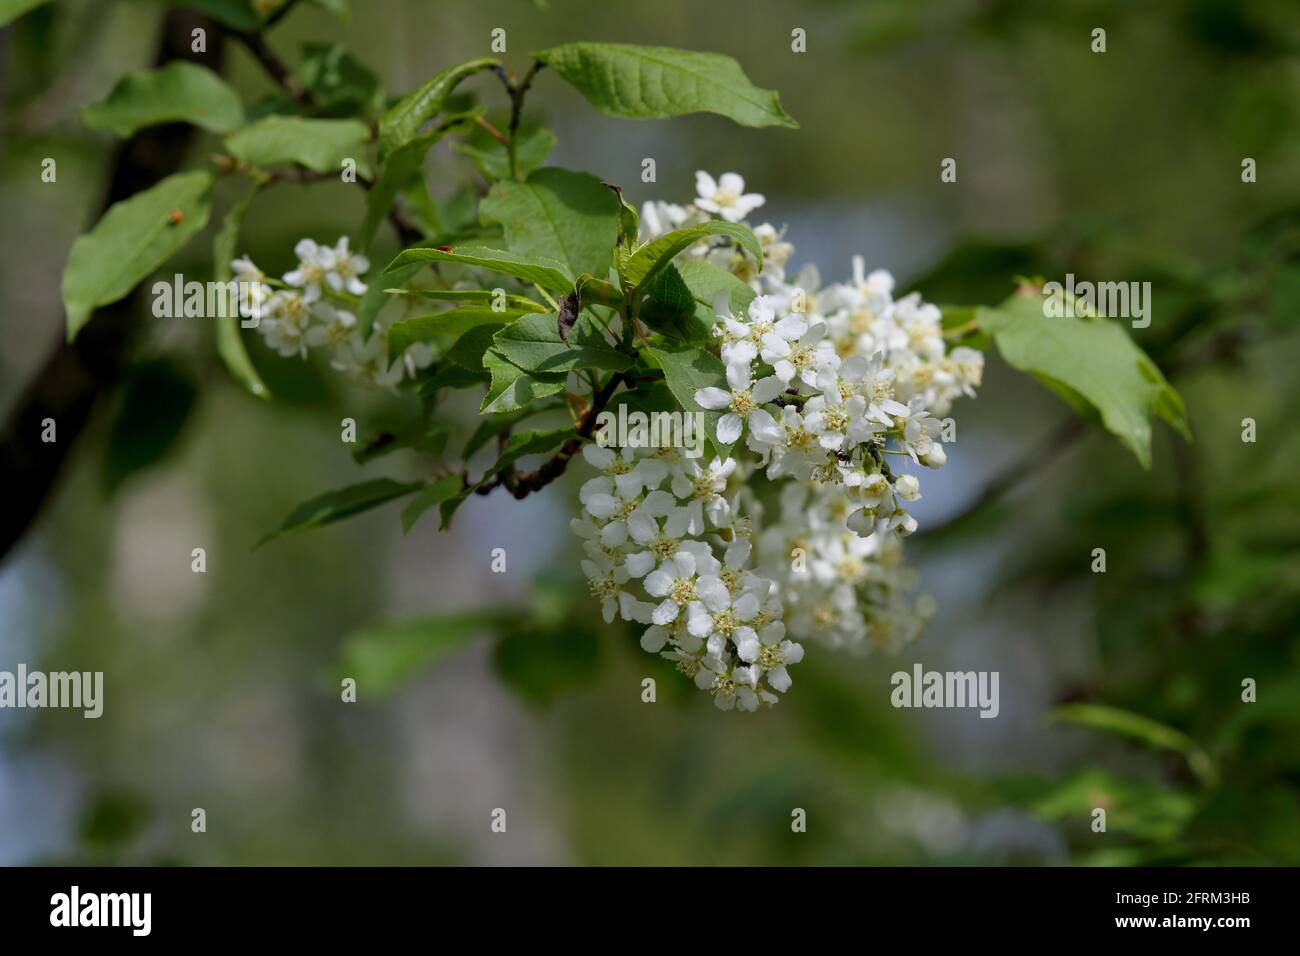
[
  {"x": 492, "y": 131},
  {"x": 523, "y": 484},
  {"x": 516, "y": 92},
  {"x": 271, "y": 62},
  {"x": 408, "y": 232}
]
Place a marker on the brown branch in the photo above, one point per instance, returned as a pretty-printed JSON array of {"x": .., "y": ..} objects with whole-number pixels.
[
  {"x": 523, "y": 484},
  {"x": 516, "y": 92},
  {"x": 280, "y": 14},
  {"x": 492, "y": 131},
  {"x": 77, "y": 374},
  {"x": 256, "y": 45},
  {"x": 408, "y": 232}
]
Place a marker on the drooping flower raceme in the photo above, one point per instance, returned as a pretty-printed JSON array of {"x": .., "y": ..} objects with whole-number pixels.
[
  {"x": 831, "y": 392},
  {"x": 313, "y": 306}
]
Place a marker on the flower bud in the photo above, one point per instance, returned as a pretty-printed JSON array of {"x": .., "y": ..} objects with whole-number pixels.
[
  {"x": 907, "y": 487},
  {"x": 936, "y": 457}
]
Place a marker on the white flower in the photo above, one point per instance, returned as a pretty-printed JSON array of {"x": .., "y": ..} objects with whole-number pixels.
[
  {"x": 802, "y": 358},
  {"x": 702, "y": 489},
  {"x": 285, "y": 327},
  {"x": 658, "y": 542},
  {"x": 857, "y": 374},
  {"x": 877, "y": 384},
  {"x": 726, "y": 197},
  {"x": 902, "y": 523},
  {"x": 619, "y": 507},
  {"x": 335, "y": 329},
  {"x": 719, "y": 619},
  {"x": 776, "y": 253},
  {"x": 775, "y": 653},
  {"x": 743, "y": 401},
  {"x": 618, "y": 470},
  {"x": 714, "y": 677},
  {"x": 797, "y": 448},
  {"x": 936, "y": 457},
  {"x": 674, "y": 581},
  {"x": 255, "y": 292},
  {"x": 345, "y": 268},
  {"x": 367, "y": 361},
  {"x": 658, "y": 218},
  {"x": 606, "y": 580},
  {"x": 739, "y": 340},
  {"x": 919, "y": 429},
  {"x": 314, "y": 262}
]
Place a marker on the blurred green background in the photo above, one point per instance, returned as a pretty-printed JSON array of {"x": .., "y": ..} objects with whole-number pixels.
[{"x": 222, "y": 687}]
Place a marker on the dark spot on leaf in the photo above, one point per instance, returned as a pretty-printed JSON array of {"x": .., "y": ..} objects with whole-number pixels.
[{"x": 569, "y": 308}]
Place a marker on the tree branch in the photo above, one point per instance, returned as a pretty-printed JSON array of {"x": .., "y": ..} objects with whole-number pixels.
[
  {"x": 523, "y": 484},
  {"x": 77, "y": 374},
  {"x": 256, "y": 45},
  {"x": 516, "y": 92}
]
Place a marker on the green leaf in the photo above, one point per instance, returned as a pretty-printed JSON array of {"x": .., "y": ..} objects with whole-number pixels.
[
  {"x": 337, "y": 7},
  {"x": 238, "y": 14},
  {"x": 230, "y": 342},
  {"x": 319, "y": 144},
  {"x": 643, "y": 82},
  {"x": 400, "y": 169},
  {"x": 344, "y": 503},
  {"x": 156, "y": 402},
  {"x": 468, "y": 350},
  {"x": 382, "y": 656},
  {"x": 134, "y": 238},
  {"x": 483, "y": 297},
  {"x": 449, "y": 375},
  {"x": 11, "y": 10},
  {"x": 629, "y": 225},
  {"x": 512, "y": 388},
  {"x": 533, "y": 343},
  {"x": 402, "y": 335},
  {"x": 654, "y": 396},
  {"x": 1144, "y": 729},
  {"x": 448, "y": 508},
  {"x": 434, "y": 494},
  {"x": 669, "y": 307},
  {"x": 706, "y": 281},
  {"x": 402, "y": 123},
  {"x": 493, "y": 425},
  {"x": 375, "y": 297},
  {"x": 427, "y": 438},
  {"x": 541, "y": 664},
  {"x": 561, "y": 215},
  {"x": 545, "y": 272},
  {"x": 534, "y": 441},
  {"x": 338, "y": 79},
  {"x": 493, "y": 160},
  {"x": 654, "y": 256},
  {"x": 1088, "y": 361},
  {"x": 178, "y": 92},
  {"x": 1136, "y": 807},
  {"x": 687, "y": 370}
]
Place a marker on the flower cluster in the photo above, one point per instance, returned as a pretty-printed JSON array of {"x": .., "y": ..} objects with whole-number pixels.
[
  {"x": 660, "y": 525},
  {"x": 833, "y": 392},
  {"x": 312, "y": 306}
]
